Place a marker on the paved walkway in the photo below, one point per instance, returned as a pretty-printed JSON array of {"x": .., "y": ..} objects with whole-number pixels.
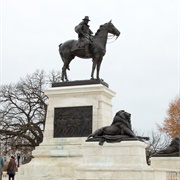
[{"x": 5, "y": 176}]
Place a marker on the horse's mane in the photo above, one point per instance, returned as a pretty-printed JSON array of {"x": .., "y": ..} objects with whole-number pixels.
[{"x": 100, "y": 28}]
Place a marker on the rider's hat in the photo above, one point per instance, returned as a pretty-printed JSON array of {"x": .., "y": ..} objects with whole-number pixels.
[{"x": 86, "y": 18}]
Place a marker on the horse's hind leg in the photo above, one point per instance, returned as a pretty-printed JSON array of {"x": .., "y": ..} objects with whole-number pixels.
[
  {"x": 64, "y": 73},
  {"x": 67, "y": 61},
  {"x": 66, "y": 76}
]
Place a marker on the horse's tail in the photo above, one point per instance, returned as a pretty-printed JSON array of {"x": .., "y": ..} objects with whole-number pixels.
[
  {"x": 60, "y": 52},
  {"x": 61, "y": 55}
]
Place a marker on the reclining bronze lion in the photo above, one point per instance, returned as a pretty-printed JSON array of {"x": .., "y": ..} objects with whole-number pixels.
[{"x": 119, "y": 130}]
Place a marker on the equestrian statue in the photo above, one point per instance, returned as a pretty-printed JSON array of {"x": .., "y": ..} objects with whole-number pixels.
[{"x": 87, "y": 46}]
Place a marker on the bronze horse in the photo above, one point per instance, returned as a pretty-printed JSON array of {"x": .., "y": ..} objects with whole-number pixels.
[{"x": 68, "y": 50}]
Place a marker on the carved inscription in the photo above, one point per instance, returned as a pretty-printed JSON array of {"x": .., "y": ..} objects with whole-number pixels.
[{"x": 73, "y": 121}]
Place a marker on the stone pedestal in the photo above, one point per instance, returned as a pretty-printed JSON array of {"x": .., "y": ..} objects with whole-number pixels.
[
  {"x": 53, "y": 161},
  {"x": 57, "y": 158},
  {"x": 170, "y": 166},
  {"x": 98, "y": 96},
  {"x": 166, "y": 163},
  {"x": 71, "y": 158},
  {"x": 114, "y": 161}
]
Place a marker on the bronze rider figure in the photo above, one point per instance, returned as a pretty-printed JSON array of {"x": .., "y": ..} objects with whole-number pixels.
[{"x": 84, "y": 34}]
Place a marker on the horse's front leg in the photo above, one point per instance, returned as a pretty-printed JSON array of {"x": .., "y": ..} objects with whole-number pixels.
[
  {"x": 93, "y": 68},
  {"x": 98, "y": 67}
]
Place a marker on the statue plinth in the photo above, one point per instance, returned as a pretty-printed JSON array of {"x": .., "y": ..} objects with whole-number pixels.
[{"x": 80, "y": 83}]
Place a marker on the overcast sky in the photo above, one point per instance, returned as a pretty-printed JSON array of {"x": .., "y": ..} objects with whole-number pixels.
[{"x": 142, "y": 66}]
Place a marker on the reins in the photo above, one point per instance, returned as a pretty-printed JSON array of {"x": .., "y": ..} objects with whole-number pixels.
[{"x": 111, "y": 37}]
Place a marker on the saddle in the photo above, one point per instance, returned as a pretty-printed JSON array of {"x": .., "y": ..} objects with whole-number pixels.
[{"x": 79, "y": 46}]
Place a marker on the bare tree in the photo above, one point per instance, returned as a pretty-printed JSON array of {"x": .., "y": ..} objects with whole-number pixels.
[
  {"x": 23, "y": 109},
  {"x": 157, "y": 142}
]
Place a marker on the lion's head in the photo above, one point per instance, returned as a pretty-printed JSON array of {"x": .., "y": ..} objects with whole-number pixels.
[{"x": 123, "y": 114}]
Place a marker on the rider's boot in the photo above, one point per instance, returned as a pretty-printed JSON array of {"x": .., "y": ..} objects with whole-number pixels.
[{"x": 87, "y": 54}]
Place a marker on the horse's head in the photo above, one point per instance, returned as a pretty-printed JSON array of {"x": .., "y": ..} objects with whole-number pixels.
[
  {"x": 107, "y": 28},
  {"x": 112, "y": 29}
]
